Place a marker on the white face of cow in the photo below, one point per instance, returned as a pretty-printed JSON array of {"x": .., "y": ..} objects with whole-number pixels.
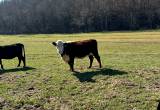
[
  {"x": 60, "y": 49},
  {"x": 60, "y": 46}
]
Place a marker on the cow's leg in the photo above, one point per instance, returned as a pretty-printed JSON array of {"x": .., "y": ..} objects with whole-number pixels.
[
  {"x": 19, "y": 59},
  {"x": 91, "y": 60},
  {"x": 71, "y": 63},
  {"x": 99, "y": 60},
  {"x": 1, "y": 64},
  {"x": 96, "y": 55}
]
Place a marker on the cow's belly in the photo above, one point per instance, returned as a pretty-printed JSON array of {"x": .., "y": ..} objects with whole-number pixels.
[
  {"x": 66, "y": 57},
  {"x": 83, "y": 55},
  {"x": 7, "y": 56}
]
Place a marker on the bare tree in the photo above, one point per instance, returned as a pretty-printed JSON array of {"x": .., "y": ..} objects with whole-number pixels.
[{"x": 68, "y": 16}]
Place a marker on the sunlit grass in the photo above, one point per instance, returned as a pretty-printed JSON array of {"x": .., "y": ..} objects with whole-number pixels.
[{"x": 129, "y": 79}]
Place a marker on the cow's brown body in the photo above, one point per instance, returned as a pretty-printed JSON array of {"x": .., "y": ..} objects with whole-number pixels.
[{"x": 79, "y": 49}]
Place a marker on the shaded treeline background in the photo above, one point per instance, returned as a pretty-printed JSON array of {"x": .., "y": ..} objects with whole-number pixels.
[{"x": 70, "y": 16}]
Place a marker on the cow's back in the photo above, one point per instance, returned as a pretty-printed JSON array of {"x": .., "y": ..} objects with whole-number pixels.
[
  {"x": 81, "y": 48},
  {"x": 10, "y": 51}
]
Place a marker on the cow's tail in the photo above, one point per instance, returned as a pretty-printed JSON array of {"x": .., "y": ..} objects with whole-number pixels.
[
  {"x": 24, "y": 55},
  {"x": 95, "y": 44}
]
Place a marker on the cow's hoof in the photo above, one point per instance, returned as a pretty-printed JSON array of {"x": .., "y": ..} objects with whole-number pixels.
[
  {"x": 71, "y": 70},
  {"x": 89, "y": 67}
]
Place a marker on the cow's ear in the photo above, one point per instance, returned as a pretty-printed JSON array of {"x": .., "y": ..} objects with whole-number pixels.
[{"x": 55, "y": 44}]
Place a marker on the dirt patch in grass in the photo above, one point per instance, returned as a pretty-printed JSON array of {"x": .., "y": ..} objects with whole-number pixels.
[
  {"x": 3, "y": 103},
  {"x": 11, "y": 78},
  {"x": 155, "y": 86},
  {"x": 151, "y": 77},
  {"x": 151, "y": 71},
  {"x": 123, "y": 82}
]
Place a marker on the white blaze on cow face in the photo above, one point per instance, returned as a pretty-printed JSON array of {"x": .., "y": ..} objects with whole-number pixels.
[
  {"x": 60, "y": 46},
  {"x": 60, "y": 49}
]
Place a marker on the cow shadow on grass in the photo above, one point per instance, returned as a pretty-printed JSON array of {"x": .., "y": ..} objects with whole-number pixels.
[
  {"x": 16, "y": 70},
  {"x": 87, "y": 76}
]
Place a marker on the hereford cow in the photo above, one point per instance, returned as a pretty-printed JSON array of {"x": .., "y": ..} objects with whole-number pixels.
[
  {"x": 78, "y": 49},
  {"x": 12, "y": 51}
]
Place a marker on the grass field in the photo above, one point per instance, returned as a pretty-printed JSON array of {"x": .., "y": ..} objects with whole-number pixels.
[{"x": 129, "y": 79}]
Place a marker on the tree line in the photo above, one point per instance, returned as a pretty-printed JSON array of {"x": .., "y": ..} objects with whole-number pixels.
[{"x": 72, "y": 16}]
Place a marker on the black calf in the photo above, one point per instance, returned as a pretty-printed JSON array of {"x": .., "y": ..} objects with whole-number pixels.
[{"x": 12, "y": 51}]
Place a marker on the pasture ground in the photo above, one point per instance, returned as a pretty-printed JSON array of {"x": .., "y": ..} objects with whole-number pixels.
[{"x": 129, "y": 79}]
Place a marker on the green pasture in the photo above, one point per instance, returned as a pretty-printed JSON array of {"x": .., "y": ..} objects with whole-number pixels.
[{"x": 129, "y": 79}]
